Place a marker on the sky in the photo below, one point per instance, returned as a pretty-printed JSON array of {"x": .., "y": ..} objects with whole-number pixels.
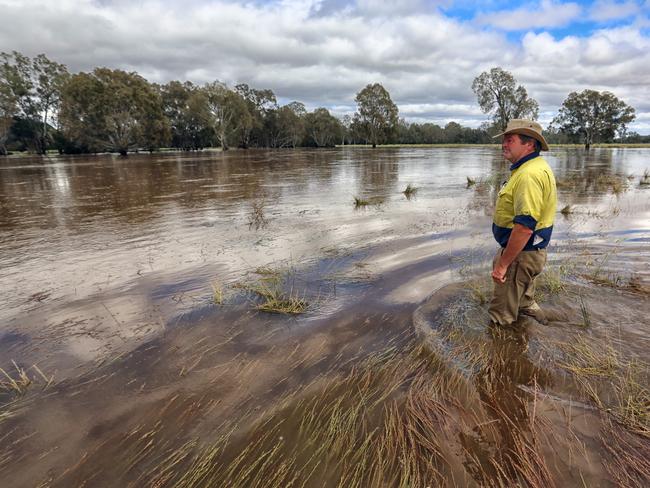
[{"x": 322, "y": 52}]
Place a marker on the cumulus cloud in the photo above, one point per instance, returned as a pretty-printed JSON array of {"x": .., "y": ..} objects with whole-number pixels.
[
  {"x": 606, "y": 10},
  {"x": 322, "y": 52},
  {"x": 546, "y": 14},
  {"x": 615, "y": 60}
]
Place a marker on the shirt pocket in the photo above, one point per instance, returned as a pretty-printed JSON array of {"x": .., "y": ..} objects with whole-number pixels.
[{"x": 503, "y": 190}]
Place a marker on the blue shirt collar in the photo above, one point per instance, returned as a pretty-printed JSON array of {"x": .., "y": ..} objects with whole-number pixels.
[{"x": 528, "y": 157}]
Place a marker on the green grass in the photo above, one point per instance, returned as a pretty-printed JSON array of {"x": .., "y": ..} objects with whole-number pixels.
[
  {"x": 278, "y": 302},
  {"x": 360, "y": 202},
  {"x": 566, "y": 210},
  {"x": 410, "y": 190},
  {"x": 552, "y": 281},
  {"x": 271, "y": 295}
]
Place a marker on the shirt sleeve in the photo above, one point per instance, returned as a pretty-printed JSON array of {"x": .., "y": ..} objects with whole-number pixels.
[{"x": 528, "y": 201}]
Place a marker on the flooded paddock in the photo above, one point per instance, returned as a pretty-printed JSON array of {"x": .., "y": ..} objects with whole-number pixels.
[{"x": 295, "y": 318}]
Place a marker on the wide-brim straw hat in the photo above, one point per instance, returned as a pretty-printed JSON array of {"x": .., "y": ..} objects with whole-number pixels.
[{"x": 527, "y": 128}]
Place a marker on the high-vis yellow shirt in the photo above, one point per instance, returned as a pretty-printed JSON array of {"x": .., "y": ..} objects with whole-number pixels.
[{"x": 528, "y": 198}]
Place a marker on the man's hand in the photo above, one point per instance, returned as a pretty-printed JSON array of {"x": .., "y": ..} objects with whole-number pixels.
[
  {"x": 499, "y": 272},
  {"x": 518, "y": 239}
]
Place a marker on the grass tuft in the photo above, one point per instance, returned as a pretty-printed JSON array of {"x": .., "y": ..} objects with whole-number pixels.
[
  {"x": 645, "y": 179},
  {"x": 551, "y": 281},
  {"x": 586, "y": 320},
  {"x": 217, "y": 293},
  {"x": 480, "y": 292},
  {"x": 360, "y": 202},
  {"x": 270, "y": 290},
  {"x": 16, "y": 384},
  {"x": 410, "y": 191},
  {"x": 257, "y": 217},
  {"x": 617, "y": 386}
]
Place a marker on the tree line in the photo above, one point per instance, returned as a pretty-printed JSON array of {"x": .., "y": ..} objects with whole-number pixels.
[{"x": 44, "y": 106}]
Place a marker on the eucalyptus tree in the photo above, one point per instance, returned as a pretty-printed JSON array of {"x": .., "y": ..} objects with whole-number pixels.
[
  {"x": 453, "y": 133},
  {"x": 8, "y": 109},
  {"x": 229, "y": 113},
  {"x": 499, "y": 95},
  {"x": 34, "y": 88},
  {"x": 346, "y": 125},
  {"x": 260, "y": 104},
  {"x": 112, "y": 110},
  {"x": 50, "y": 77},
  {"x": 323, "y": 129},
  {"x": 377, "y": 115},
  {"x": 186, "y": 107},
  {"x": 291, "y": 124},
  {"x": 593, "y": 116},
  {"x": 16, "y": 81}
]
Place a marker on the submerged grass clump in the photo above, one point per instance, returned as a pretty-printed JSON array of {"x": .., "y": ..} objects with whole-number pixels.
[
  {"x": 270, "y": 291},
  {"x": 257, "y": 218},
  {"x": 627, "y": 463},
  {"x": 645, "y": 179},
  {"x": 483, "y": 185},
  {"x": 274, "y": 302},
  {"x": 16, "y": 383},
  {"x": 616, "y": 385},
  {"x": 410, "y": 191},
  {"x": 360, "y": 202},
  {"x": 617, "y": 184},
  {"x": 481, "y": 290},
  {"x": 398, "y": 418},
  {"x": 584, "y": 359},
  {"x": 566, "y": 210},
  {"x": 598, "y": 182},
  {"x": 217, "y": 293},
  {"x": 551, "y": 282}
]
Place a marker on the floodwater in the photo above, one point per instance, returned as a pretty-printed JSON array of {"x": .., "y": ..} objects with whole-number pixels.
[{"x": 129, "y": 306}]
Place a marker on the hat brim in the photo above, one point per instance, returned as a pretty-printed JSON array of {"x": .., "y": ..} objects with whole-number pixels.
[{"x": 526, "y": 132}]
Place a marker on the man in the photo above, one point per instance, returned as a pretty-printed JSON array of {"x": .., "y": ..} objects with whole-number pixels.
[{"x": 523, "y": 223}]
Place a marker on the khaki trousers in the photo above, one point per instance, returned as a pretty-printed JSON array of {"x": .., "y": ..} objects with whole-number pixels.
[{"x": 518, "y": 291}]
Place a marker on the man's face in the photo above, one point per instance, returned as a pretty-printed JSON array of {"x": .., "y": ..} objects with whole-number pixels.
[{"x": 513, "y": 149}]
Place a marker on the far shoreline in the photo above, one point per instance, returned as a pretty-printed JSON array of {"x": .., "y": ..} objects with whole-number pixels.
[{"x": 50, "y": 153}]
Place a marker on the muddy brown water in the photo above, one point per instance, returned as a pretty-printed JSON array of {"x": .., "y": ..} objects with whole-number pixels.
[{"x": 109, "y": 266}]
